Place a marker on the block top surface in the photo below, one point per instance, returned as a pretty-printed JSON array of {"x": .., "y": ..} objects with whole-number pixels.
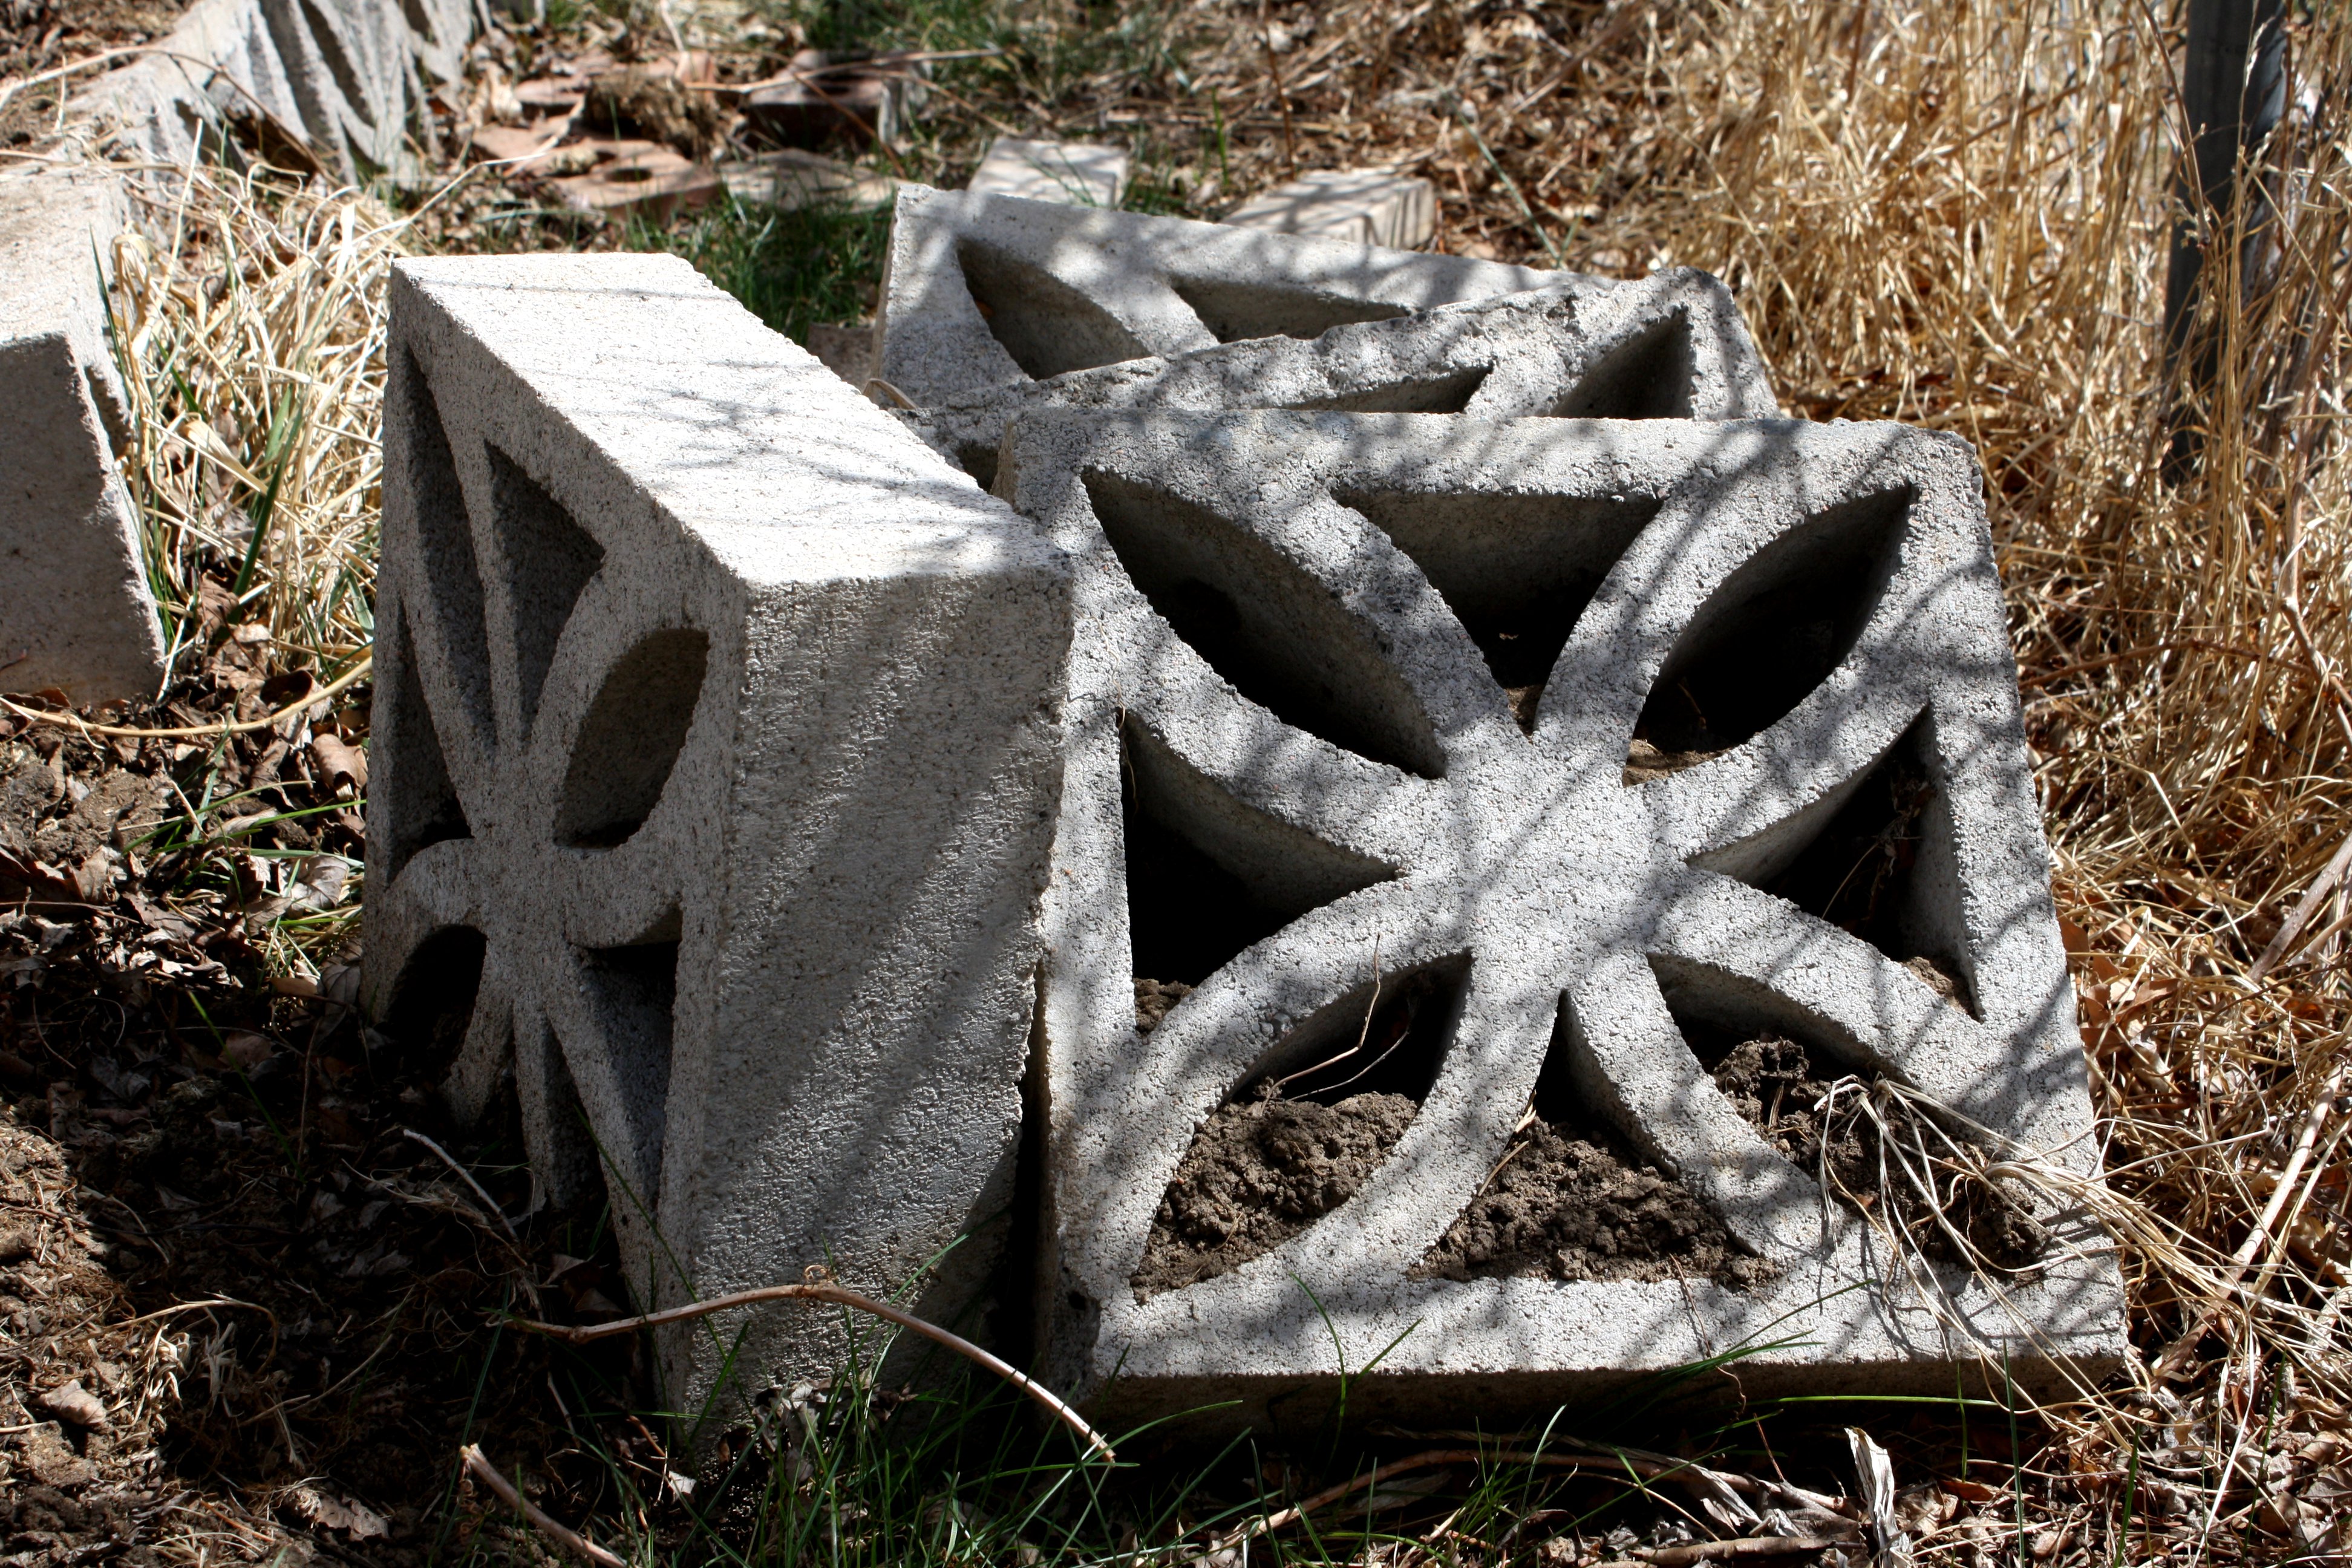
[{"x": 737, "y": 432}]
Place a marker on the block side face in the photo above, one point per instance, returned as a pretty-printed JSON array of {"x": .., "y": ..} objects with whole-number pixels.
[
  {"x": 75, "y": 610},
  {"x": 1580, "y": 898},
  {"x": 735, "y": 860}
]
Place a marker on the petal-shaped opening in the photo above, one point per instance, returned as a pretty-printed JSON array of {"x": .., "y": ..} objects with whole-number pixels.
[
  {"x": 444, "y": 540},
  {"x": 1516, "y": 570},
  {"x": 1207, "y": 875},
  {"x": 414, "y": 803},
  {"x": 1572, "y": 1198},
  {"x": 547, "y": 559},
  {"x": 631, "y": 739},
  {"x": 1282, "y": 638},
  {"x": 1410, "y": 395},
  {"x": 432, "y": 1005},
  {"x": 1305, "y": 1132},
  {"x": 1235, "y": 311},
  {"x": 1772, "y": 631},
  {"x": 1048, "y": 326},
  {"x": 1646, "y": 376}
]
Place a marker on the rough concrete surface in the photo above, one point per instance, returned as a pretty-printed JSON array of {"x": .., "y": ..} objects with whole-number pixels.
[
  {"x": 1672, "y": 345},
  {"x": 340, "y": 75},
  {"x": 983, "y": 290},
  {"x": 1080, "y": 174},
  {"x": 1381, "y": 675},
  {"x": 714, "y": 768},
  {"x": 75, "y": 611},
  {"x": 1366, "y": 206}
]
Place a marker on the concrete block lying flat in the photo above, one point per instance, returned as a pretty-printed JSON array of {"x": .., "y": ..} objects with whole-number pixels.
[
  {"x": 673, "y": 816},
  {"x": 75, "y": 611},
  {"x": 983, "y": 290},
  {"x": 1077, "y": 173},
  {"x": 1367, "y": 207},
  {"x": 1671, "y": 346},
  {"x": 1445, "y": 794}
]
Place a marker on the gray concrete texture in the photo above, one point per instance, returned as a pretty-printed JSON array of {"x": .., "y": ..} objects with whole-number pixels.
[
  {"x": 1337, "y": 741},
  {"x": 1367, "y": 207},
  {"x": 1079, "y": 173},
  {"x": 983, "y": 291},
  {"x": 1672, "y": 345},
  {"x": 715, "y": 761},
  {"x": 75, "y": 610},
  {"x": 342, "y": 75}
]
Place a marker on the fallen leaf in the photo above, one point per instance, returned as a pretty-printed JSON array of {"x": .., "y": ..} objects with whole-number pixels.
[
  {"x": 248, "y": 1049},
  {"x": 341, "y": 765},
  {"x": 75, "y": 1403},
  {"x": 356, "y": 1520}
]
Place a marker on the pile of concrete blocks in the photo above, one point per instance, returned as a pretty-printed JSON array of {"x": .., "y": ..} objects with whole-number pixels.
[
  {"x": 1369, "y": 668},
  {"x": 714, "y": 766}
]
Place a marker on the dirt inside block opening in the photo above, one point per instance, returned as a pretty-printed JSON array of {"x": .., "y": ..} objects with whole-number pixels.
[
  {"x": 1573, "y": 1200},
  {"x": 1287, "y": 1150},
  {"x": 1869, "y": 1148}
]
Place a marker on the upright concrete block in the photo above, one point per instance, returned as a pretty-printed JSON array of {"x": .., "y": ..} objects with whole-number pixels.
[
  {"x": 1079, "y": 174},
  {"x": 75, "y": 611},
  {"x": 714, "y": 769},
  {"x": 1367, "y": 207},
  {"x": 983, "y": 291},
  {"x": 1482, "y": 765},
  {"x": 1671, "y": 346}
]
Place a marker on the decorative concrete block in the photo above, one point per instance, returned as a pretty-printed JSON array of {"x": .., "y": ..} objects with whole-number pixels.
[
  {"x": 1483, "y": 767},
  {"x": 1367, "y": 207},
  {"x": 75, "y": 611},
  {"x": 714, "y": 765},
  {"x": 1077, "y": 173},
  {"x": 983, "y": 291},
  {"x": 1671, "y": 346}
]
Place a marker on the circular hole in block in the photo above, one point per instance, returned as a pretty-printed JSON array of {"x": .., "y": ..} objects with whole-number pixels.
[
  {"x": 433, "y": 1001},
  {"x": 630, "y": 740}
]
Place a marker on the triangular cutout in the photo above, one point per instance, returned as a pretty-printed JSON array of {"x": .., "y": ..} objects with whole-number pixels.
[
  {"x": 1047, "y": 326},
  {"x": 631, "y": 738},
  {"x": 633, "y": 993},
  {"x": 1874, "y": 871},
  {"x": 444, "y": 540},
  {"x": 419, "y": 804},
  {"x": 1281, "y": 638},
  {"x": 1207, "y": 877},
  {"x": 1648, "y": 376},
  {"x": 1235, "y": 311},
  {"x": 1303, "y": 1134},
  {"x": 1516, "y": 570},
  {"x": 1572, "y": 1199},
  {"x": 1415, "y": 395},
  {"x": 1774, "y": 629},
  {"x": 548, "y": 559},
  {"x": 433, "y": 1001}
]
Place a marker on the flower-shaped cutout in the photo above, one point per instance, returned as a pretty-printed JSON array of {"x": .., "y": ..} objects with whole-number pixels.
[{"x": 1548, "y": 699}]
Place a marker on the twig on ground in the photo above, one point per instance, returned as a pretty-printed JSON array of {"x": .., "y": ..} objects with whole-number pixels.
[
  {"x": 817, "y": 1290},
  {"x": 1739, "y": 1549},
  {"x": 487, "y": 1474},
  {"x": 202, "y": 731}
]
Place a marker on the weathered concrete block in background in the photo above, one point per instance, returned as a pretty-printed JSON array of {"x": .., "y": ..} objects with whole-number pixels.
[
  {"x": 1506, "y": 832},
  {"x": 75, "y": 611},
  {"x": 1077, "y": 173},
  {"x": 983, "y": 290},
  {"x": 1671, "y": 346},
  {"x": 714, "y": 764},
  {"x": 1366, "y": 206}
]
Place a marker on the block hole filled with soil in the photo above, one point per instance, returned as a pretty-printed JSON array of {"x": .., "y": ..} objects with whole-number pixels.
[
  {"x": 1572, "y": 1198},
  {"x": 1882, "y": 869},
  {"x": 1516, "y": 570},
  {"x": 1771, "y": 633},
  {"x": 1872, "y": 1148},
  {"x": 1306, "y": 1129},
  {"x": 1207, "y": 875}
]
